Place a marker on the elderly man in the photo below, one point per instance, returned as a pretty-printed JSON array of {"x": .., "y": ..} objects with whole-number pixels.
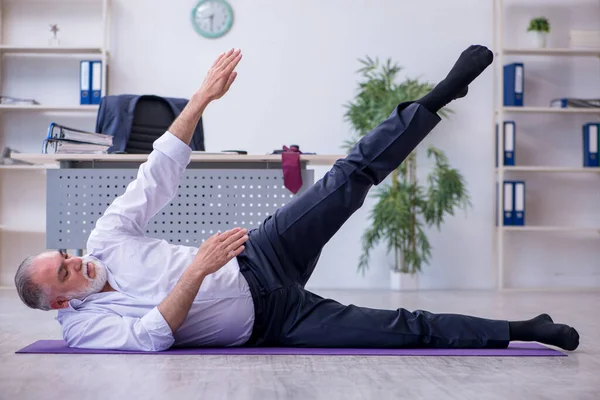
[{"x": 240, "y": 288}]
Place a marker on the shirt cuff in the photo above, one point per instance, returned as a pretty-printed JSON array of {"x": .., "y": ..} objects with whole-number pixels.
[
  {"x": 174, "y": 148},
  {"x": 159, "y": 330}
]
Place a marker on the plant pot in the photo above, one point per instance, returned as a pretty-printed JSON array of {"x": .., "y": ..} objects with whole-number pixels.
[
  {"x": 539, "y": 39},
  {"x": 403, "y": 281}
]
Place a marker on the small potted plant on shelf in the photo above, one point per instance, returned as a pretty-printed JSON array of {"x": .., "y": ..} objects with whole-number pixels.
[
  {"x": 539, "y": 28},
  {"x": 405, "y": 206}
]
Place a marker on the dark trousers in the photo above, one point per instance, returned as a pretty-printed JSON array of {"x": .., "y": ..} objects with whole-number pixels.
[{"x": 282, "y": 253}]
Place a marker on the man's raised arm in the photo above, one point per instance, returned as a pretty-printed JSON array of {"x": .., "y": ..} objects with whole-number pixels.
[{"x": 158, "y": 178}]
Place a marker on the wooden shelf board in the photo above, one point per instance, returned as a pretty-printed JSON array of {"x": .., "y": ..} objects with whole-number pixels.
[
  {"x": 24, "y": 167},
  {"x": 594, "y": 170},
  {"x": 50, "y": 50},
  {"x": 9, "y": 228},
  {"x": 45, "y": 108},
  {"x": 553, "y": 52},
  {"x": 556, "y": 110},
  {"x": 550, "y": 229}
]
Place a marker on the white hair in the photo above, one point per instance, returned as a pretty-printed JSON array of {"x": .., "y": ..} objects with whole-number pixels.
[{"x": 32, "y": 294}]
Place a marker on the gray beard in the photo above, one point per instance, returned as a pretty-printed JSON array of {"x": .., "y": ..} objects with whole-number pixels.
[{"x": 96, "y": 284}]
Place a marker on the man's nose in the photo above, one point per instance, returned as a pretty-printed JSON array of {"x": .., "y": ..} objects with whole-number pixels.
[{"x": 76, "y": 264}]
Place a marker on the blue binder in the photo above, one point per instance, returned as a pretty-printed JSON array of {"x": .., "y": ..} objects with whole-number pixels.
[
  {"x": 508, "y": 142},
  {"x": 514, "y": 82},
  {"x": 509, "y": 200},
  {"x": 519, "y": 203},
  {"x": 96, "y": 82},
  {"x": 85, "y": 77},
  {"x": 591, "y": 132}
]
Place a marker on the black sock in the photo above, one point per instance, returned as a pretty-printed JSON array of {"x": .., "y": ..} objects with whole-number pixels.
[
  {"x": 471, "y": 63},
  {"x": 542, "y": 329}
]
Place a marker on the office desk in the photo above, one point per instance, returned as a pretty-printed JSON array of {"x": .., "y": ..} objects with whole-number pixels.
[{"x": 217, "y": 192}]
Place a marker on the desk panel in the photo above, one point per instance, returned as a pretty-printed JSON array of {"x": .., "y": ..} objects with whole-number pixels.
[{"x": 208, "y": 200}]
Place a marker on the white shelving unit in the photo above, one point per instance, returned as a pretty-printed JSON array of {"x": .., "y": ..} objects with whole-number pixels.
[
  {"x": 25, "y": 232},
  {"x": 500, "y": 114}
]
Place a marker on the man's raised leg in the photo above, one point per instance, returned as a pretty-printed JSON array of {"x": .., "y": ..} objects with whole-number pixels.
[{"x": 294, "y": 236}]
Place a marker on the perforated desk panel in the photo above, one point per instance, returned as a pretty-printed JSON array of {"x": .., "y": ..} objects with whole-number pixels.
[{"x": 208, "y": 200}]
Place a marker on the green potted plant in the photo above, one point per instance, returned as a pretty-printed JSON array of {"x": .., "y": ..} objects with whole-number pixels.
[
  {"x": 405, "y": 206},
  {"x": 539, "y": 28}
]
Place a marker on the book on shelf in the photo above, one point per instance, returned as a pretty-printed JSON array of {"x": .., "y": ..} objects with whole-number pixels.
[
  {"x": 63, "y": 139},
  {"x": 569, "y": 102}
]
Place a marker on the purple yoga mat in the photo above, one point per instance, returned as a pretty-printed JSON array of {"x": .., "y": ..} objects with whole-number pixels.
[{"x": 514, "y": 350}]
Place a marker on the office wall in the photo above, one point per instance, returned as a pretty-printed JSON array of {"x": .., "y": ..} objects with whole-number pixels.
[{"x": 299, "y": 68}]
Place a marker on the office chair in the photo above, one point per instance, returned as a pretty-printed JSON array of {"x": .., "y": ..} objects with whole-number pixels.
[{"x": 136, "y": 121}]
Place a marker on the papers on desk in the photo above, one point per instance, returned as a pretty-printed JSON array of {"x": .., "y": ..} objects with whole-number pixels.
[{"x": 65, "y": 140}]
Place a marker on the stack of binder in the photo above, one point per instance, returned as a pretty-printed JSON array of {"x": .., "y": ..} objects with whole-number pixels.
[
  {"x": 65, "y": 140},
  {"x": 591, "y": 138},
  {"x": 90, "y": 82},
  {"x": 514, "y": 203}
]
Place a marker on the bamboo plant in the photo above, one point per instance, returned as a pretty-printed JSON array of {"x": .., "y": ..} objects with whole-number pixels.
[{"x": 405, "y": 206}]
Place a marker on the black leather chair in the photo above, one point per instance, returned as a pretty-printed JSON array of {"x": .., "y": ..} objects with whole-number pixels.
[
  {"x": 136, "y": 121},
  {"x": 151, "y": 118}
]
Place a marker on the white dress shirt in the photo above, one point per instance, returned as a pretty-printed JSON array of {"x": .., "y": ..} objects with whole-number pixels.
[{"x": 144, "y": 270}]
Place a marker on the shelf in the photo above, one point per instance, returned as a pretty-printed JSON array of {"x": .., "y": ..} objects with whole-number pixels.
[
  {"x": 554, "y": 52},
  {"x": 25, "y": 167},
  {"x": 43, "y": 108},
  {"x": 15, "y": 229},
  {"x": 556, "y": 110},
  {"x": 594, "y": 170},
  {"x": 49, "y": 50},
  {"x": 550, "y": 229}
]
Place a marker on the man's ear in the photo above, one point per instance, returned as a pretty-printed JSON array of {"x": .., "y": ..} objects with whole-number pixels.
[{"x": 59, "y": 302}]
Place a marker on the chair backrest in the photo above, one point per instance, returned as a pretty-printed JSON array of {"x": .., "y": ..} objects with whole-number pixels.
[
  {"x": 136, "y": 121},
  {"x": 151, "y": 118}
]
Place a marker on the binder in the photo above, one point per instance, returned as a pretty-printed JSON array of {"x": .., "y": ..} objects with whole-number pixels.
[
  {"x": 96, "y": 82},
  {"x": 519, "y": 205},
  {"x": 85, "y": 71},
  {"x": 509, "y": 198},
  {"x": 64, "y": 139},
  {"x": 514, "y": 83},
  {"x": 591, "y": 131},
  {"x": 508, "y": 142}
]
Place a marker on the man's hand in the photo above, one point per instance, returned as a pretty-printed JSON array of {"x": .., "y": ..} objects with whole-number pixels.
[
  {"x": 220, "y": 76},
  {"x": 219, "y": 249},
  {"x": 213, "y": 254},
  {"x": 217, "y": 82}
]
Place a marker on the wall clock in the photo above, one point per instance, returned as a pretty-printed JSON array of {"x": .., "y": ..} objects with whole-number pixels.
[{"x": 212, "y": 18}]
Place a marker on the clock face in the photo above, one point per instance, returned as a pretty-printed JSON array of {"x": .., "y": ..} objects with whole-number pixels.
[{"x": 212, "y": 18}]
